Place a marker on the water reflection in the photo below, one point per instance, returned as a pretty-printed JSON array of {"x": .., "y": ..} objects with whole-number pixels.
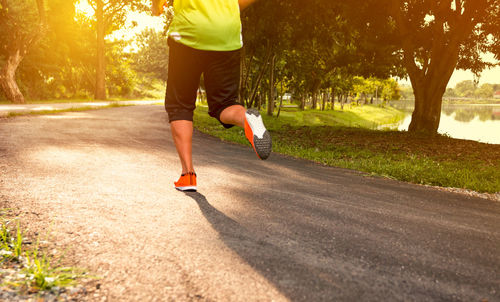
[{"x": 475, "y": 122}]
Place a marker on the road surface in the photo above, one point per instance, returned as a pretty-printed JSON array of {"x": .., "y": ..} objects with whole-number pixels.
[{"x": 100, "y": 184}]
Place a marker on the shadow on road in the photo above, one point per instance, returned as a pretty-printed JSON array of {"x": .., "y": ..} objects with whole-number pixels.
[{"x": 297, "y": 281}]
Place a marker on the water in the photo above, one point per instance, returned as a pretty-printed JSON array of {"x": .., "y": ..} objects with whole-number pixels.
[{"x": 474, "y": 122}]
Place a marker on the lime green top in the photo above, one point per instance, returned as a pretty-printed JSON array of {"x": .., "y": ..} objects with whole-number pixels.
[{"x": 207, "y": 24}]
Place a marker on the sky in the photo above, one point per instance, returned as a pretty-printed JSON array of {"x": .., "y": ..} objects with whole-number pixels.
[{"x": 145, "y": 20}]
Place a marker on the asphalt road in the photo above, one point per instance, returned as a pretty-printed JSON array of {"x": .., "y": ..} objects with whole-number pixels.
[{"x": 101, "y": 184}]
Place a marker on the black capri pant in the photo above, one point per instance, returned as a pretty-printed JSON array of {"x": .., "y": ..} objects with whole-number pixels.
[{"x": 221, "y": 72}]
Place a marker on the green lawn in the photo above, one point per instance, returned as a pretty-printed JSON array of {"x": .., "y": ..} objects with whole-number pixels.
[
  {"x": 367, "y": 116},
  {"x": 56, "y": 101},
  {"x": 72, "y": 109},
  {"x": 346, "y": 139}
]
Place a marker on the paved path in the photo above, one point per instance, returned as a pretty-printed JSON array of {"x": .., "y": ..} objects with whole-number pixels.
[
  {"x": 26, "y": 108},
  {"x": 280, "y": 230}
]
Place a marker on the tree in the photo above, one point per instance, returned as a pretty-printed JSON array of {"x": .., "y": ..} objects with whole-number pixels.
[
  {"x": 109, "y": 16},
  {"x": 17, "y": 38},
  {"x": 61, "y": 65},
  {"x": 436, "y": 37},
  {"x": 264, "y": 45},
  {"x": 465, "y": 89},
  {"x": 449, "y": 93},
  {"x": 390, "y": 90},
  {"x": 485, "y": 91},
  {"x": 152, "y": 55}
]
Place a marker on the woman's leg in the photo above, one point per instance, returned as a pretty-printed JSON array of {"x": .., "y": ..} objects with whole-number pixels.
[{"x": 182, "y": 133}]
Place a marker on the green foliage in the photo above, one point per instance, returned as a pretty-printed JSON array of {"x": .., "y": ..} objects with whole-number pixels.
[
  {"x": 115, "y": 12},
  {"x": 60, "y": 65},
  {"x": 120, "y": 77},
  {"x": 319, "y": 47},
  {"x": 485, "y": 91},
  {"x": 387, "y": 89},
  {"x": 468, "y": 89},
  {"x": 16, "y": 23},
  {"x": 465, "y": 89},
  {"x": 151, "y": 59}
]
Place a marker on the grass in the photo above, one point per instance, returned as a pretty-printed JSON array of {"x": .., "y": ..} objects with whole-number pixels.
[
  {"x": 57, "y": 101},
  {"x": 10, "y": 246},
  {"x": 343, "y": 140},
  {"x": 28, "y": 269},
  {"x": 72, "y": 109},
  {"x": 367, "y": 116}
]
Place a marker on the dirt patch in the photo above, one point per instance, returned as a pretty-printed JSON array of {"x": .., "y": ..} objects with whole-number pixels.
[{"x": 436, "y": 147}]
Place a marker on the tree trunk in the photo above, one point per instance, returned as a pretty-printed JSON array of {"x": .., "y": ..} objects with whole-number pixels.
[
  {"x": 302, "y": 103},
  {"x": 241, "y": 99},
  {"x": 259, "y": 79},
  {"x": 270, "y": 104},
  {"x": 427, "y": 113},
  {"x": 314, "y": 99},
  {"x": 325, "y": 97},
  {"x": 343, "y": 101},
  {"x": 429, "y": 89},
  {"x": 100, "y": 87},
  {"x": 16, "y": 52},
  {"x": 246, "y": 69},
  {"x": 8, "y": 79},
  {"x": 332, "y": 98},
  {"x": 281, "y": 100}
]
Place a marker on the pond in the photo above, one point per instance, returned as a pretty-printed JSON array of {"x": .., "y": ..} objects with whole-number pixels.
[{"x": 474, "y": 122}]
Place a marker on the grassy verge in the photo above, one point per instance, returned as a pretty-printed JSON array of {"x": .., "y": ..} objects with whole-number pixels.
[
  {"x": 57, "y": 101},
  {"x": 72, "y": 109},
  {"x": 366, "y": 116},
  {"x": 436, "y": 160},
  {"x": 26, "y": 269}
]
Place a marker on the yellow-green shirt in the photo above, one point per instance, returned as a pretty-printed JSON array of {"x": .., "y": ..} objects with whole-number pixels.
[{"x": 207, "y": 24}]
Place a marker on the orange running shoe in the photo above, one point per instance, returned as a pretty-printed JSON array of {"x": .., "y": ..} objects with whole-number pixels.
[
  {"x": 257, "y": 134},
  {"x": 187, "y": 182}
]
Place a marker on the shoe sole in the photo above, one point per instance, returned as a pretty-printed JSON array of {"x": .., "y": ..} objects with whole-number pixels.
[
  {"x": 262, "y": 142},
  {"x": 187, "y": 189}
]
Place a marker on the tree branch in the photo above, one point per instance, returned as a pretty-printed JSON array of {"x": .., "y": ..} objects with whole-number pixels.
[
  {"x": 405, "y": 33},
  {"x": 41, "y": 12},
  {"x": 39, "y": 31},
  {"x": 93, "y": 4},
  {"x": 110, "y": 13}
]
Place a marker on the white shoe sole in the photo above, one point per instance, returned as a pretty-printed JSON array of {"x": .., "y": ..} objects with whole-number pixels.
[
  {"x": 261, "y": 138},
  {"x": 188, "y": 188}
]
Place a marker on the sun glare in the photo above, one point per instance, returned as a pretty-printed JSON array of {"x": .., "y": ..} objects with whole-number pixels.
[
  {"x": 83, "y": 7},
  {"x": 136, "y": 22}
]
